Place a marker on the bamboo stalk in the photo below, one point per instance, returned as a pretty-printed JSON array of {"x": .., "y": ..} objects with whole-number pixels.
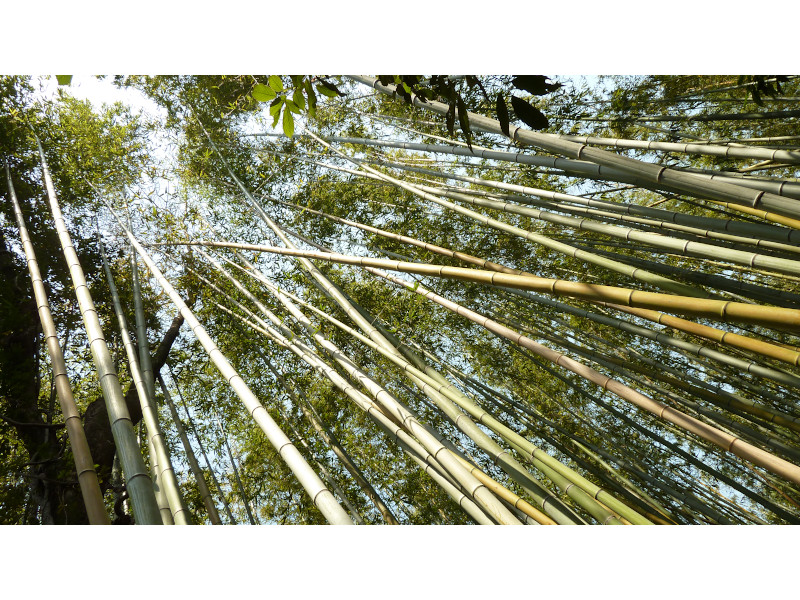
[
  {"x": 205, "y": 493},
  {"x": 139, "y": 484},
  {"x": 84, "y": 465}
]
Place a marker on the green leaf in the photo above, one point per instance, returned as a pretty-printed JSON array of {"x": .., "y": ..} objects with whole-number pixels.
[
  {"x": 263, "y": 93},
  {"x": 312, "y": 98},
  {"x": 463, "y": 120},
  {"x": 298, "y": 98},
  {"x": 292, "y": 106},
  {"x": 275, "y": 83},
  {"x": 288, "y": 123},
  {"x": 276, "y": 105},
  {"x": 531, "y": 116},
  {"x": 328, "y": 89},
  {"x": 502, "y": 114},
  {"x": 64, "y": 79}
]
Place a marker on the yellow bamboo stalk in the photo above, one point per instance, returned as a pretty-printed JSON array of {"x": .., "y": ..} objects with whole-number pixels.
[
  {"x": 723, "y": 310},
  {"x": 766, "y": 349}
]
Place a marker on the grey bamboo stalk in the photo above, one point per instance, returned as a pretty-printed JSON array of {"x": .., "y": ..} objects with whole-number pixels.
[
  {"x": 139, "y": 484},
  {"x": 159, "y": 454},
  {"x": 231, "y": 519},
  {"x": 205, "y": 493},
  {"x": 320, "y": 495},
  {"x": 768, "y": 316},
  {"x": 84, "y": 465},
  {"x": 655, "y": 174},
  {"x": 242, "y": 492}
]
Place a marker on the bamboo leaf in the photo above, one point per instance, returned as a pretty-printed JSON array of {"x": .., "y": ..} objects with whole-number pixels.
[
  {"x": 528, "y": 114},
  {"x": 299, "y": 99},
  {"x": 502, "y": 114},
  {"x": 326, "y": 88},
  {"x": 312, "y": 98},
  {"x": 64, "y": 79},
  {"x": 535, "y": 84}
]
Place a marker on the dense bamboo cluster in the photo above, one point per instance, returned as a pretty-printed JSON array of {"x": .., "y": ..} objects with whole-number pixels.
[{"x": 462, "y": 319}]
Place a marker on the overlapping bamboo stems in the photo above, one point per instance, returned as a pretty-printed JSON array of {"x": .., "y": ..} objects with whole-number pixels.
[
  {"x": 450, "y": 463},
  {"x": 414, "y": 449},
  {"x": 321, "y": 497},
  {"x": 699, "y": 149},
  {"x": 328, "y": 476},
  {"x": 763, "y": 348},
  {"x": 138, "y": 482},
  {"x": 743, "y": 291},
  {"x": 231, "y": 519},
  {"x": 162, "y": 464},
  {"x": 205, "y": 493},
  {"x": 664, "y": 339},
  {"x": 683, "y": 231},
  {"x": 531, "y": 453},
  {"x": 547, "y": 242},
  {"x": 84, "y": 465},
  {"x": 147, "y": 396},
  {"x": 767, "y": 316},
  {"x": 722, "y": 422},
  {"x": 431, "y": 386},
  {"x": 672, "y": 446},
  {"x": 344, "y": 458},
  {"x": 655, "y": 174},
  {"x": 573, "y": 168},
  {"x": 242, "y": 491},
  {"x": 384, "y": 420},
  {"x": 675, "y": 245},
  {"x": 505, "y": 403},
  {"x": 703, "y": 430},
  {"x": 384, "y": 399}
]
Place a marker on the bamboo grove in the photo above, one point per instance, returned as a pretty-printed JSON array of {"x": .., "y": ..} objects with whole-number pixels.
[{"x": 371, "y": 318}]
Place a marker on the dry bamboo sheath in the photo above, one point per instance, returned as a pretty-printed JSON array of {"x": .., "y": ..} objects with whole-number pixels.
[{"x": 84, "y": 465}]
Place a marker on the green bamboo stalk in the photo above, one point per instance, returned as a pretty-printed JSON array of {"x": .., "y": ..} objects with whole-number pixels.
[
  {"x": 159, "y": 456},
  {"x": 205, "y": 493},
  {"x": 320, "y": 495},
  {"x": 84, "y": 465},
  {"x": 231, "y": 518},
  {"x": 139, "y": 484},
  {"x": 242, "y": 492}
]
